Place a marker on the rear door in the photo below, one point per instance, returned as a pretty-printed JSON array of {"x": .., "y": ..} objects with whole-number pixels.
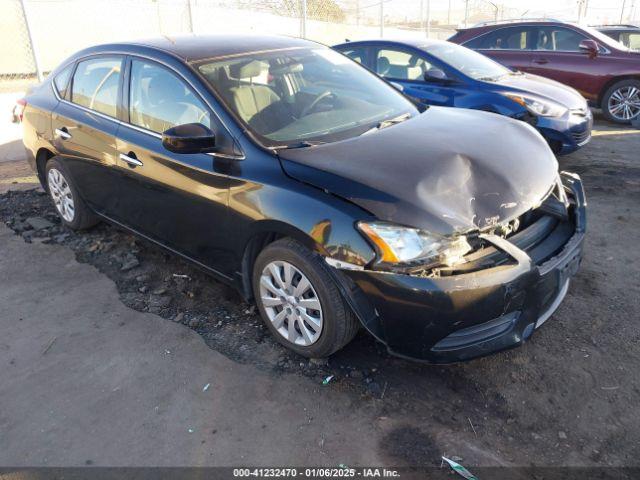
[
  {"x": 556, "y": 55},
  {"x": 510, "y": 46},
  {"x": 179, "y": 200},
  {"x": 85, "y": 125},
  {"x": 407, "y": 68}
]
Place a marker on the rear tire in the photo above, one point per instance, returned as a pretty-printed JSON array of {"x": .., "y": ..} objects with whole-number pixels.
[
  {"x": 71, "y": 209},
  {"x": 315, "y": 322},
  {"x": 613, "y": 102}
]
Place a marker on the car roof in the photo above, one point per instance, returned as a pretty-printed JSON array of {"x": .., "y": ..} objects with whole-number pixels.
[
  {"x": 194, "y": 48},
  {"x": 406, "y": 42}
]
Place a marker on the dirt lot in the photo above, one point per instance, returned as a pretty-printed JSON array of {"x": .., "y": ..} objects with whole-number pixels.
[{"x": 570, "y": 396}]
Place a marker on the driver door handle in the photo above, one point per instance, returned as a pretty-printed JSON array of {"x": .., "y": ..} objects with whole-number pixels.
[
  {"x": 131, "y": 160},
  {"x": 541, "y": 61}
]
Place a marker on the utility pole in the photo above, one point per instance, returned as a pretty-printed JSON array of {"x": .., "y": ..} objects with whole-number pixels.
[
  {"x": 381, "y": 18},
  {"x": 189, "y": 16},
  {"x": 357, "y": 13},
  {"x": 466, "y": 13},
  {"x": 33, "y": 48},
  {"x": 449, "y": 14},
  {"x": 624, "y": 3},
  {"x": 428, "y": 18}
]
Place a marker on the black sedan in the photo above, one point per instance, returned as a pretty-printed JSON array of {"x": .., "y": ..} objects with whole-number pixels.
[{"x": 316, "y": 189}]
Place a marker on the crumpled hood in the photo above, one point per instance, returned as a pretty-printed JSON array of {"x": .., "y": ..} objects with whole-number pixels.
[
  {"x": 447, "y": 170},
  {"x": 544, "y": 87}
]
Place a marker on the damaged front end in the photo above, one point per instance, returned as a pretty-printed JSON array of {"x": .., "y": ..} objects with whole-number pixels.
[{"x": 509, "y": 281}]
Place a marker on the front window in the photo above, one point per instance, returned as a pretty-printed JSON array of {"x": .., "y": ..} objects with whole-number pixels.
[
  {"x": 559, "y": 39},
  {"x": 159, "y": 100},
  {"x": 468, "y": 62},
  {"x": 298, "y": 95}
]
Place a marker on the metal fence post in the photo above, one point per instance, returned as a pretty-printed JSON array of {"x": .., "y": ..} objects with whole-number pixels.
[
  {"x": 33, "y": 49},
  {"x": 303, "y": 18},
  {"x": 382, "y": 18}
]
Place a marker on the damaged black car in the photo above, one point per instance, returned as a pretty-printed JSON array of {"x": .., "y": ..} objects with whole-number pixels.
[{"x": 315, "y": 188}]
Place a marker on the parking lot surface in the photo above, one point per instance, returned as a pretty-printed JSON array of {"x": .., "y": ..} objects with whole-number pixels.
[{"x": 107, "y": 343}]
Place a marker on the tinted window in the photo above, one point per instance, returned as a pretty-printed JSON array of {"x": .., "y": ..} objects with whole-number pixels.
[
  {"x": 400, "y": 65},
  {"x": 95, "y": 84},
  {"x": 61, "y": 81},
  {"x": 631, "y": 40},
  {"x": 160, "y": 100},
  {"x": 357, "y": 54},
  {"x": 512, "y": 38},
  {"x": 558, "y": 39}
]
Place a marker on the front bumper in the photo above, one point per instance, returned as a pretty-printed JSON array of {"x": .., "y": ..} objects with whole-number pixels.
[
  {"x": 568, "y": 133},
  {"x": 463, "y": 316}
]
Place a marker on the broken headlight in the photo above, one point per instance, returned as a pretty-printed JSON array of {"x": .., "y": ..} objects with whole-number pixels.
[
  {"x": 399, "y": 246},
  {"x": 538, "y": 106}
]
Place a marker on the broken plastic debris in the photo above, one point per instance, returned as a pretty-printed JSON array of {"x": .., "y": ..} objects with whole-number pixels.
[
  {"x": 327, "y": 380},
  {"x": 190, "y": 430},
  {"x": 459, "y": 469},
  {"x": 180, "y": 275},
  {"x": 342, "y": 465},
  {"x": 206, "y": 387}
]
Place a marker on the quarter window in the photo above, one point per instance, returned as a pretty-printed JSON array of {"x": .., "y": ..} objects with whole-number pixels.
[
  {"x": 558, "y": 39},
  {"x": 160, "y": 100},
  {"x": 512, "y": 38},
  {"x": 95, "y": 84},
  {"x": 61, "y": 81},
  {"x": 400, "y": 65}
]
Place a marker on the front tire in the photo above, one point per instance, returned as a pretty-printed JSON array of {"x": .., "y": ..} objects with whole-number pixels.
[
  {"x": 299, "y": 301},
  {"x": 72, "y": 210},
  {"x": 621, "y": 102}
]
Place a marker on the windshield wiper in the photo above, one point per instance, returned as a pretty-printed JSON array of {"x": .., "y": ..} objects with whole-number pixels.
[
  {"x": 387, "y": 123},
  {"x": 301, "y": 144}
]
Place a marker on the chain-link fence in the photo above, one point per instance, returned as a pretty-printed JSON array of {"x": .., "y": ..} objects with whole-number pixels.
[{"x": 36, "y": 35}]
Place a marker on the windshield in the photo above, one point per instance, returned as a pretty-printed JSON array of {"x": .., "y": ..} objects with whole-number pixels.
[
  {"x": 606, "y": 39},
  {"x": 303, "y": 95},
  {"x": 466, "y": 61}
]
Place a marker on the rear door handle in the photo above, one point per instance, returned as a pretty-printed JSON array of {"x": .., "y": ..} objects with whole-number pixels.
[
  {"x": 541, "y": 61},
  {"x": 131, "y": 160},
  {"x": 63, "y": 133}
]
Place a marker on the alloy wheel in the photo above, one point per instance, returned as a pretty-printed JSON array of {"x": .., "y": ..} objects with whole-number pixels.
[
  {"x": 61, "y": 194},
  {"x": 624, "y": 103},
  {"x": 291, "y": 303}
]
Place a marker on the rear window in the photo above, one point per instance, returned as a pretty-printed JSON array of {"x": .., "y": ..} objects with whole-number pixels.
[
  {"x": 61, "y": 81},
  {"x": 511, "y": 38},
  {"x": 95, "y": 84}
]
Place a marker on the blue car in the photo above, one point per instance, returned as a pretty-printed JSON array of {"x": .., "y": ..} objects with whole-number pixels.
[{"x": 435, "y": 72}]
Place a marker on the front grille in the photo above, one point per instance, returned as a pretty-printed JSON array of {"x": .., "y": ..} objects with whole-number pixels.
[{"x": 581, "y": 137}]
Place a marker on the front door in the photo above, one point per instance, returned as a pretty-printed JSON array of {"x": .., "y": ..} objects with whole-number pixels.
[
  {"x": 557, "y": 55},
  {"x": 179, "y": 200},
  {"x": 85, "y": 127}
]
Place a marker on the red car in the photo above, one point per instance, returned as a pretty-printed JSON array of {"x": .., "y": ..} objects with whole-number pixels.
[{"x": 604, "y": 71}]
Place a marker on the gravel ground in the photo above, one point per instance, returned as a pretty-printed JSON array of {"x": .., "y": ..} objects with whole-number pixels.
[{"x": 570, "y": 396}]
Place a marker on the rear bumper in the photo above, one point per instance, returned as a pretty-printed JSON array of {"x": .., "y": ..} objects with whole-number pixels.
[
  {"x": 459, "y": 317},
  {"x": 567, "y": 133}
]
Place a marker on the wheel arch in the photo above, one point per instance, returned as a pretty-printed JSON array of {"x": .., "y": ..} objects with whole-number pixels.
[
  {"x": 43, "y": 155},
  {"x": 612, "y": 82}
]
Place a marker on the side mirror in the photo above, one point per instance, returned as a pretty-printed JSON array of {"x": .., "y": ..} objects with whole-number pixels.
[
  {"x": 189, "y": 138},
  {"x": 589, "y": 46},
  {"x": 435, "y": 74}
]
